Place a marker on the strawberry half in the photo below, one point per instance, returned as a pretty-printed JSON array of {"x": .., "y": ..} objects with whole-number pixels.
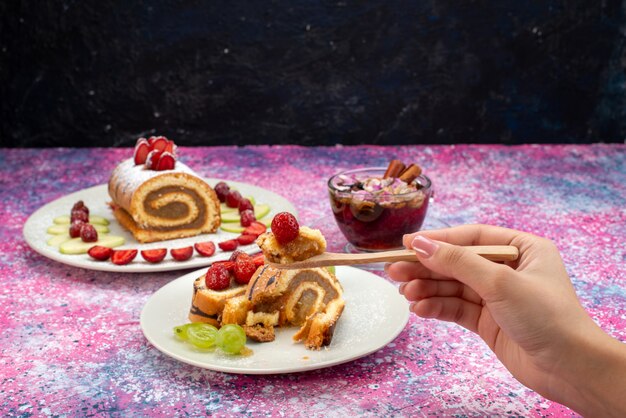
[
  {"x": 154, "y": 256},
  {"x": 255, "y": 228},
  {"x": 100, "y": 253},
  {"x": 160, "y": 143},
  {"x": 230, "y": 265},
  {"x": 206, "y": 249},
  {"x": 121, "y": 257},
  {"x": 142, "y": 148},
  {"x": 170, "y": 147},
  {"x": 181, "y": 254},
  {"x": 246, "y": 239},
  {"x": 244, "y": 268},
  {"x": 229, "y": 245},
  {"x": 166, "y": 161},
  {"x": 259, "y": 259},
  {"x": 153, "y": 159}
]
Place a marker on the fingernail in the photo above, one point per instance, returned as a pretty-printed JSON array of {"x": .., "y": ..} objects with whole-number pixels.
[
  {"x": 401, "y": 288},
  {"x": 424, "y": 246}
]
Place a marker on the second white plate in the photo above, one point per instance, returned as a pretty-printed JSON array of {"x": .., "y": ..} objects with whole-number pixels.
[{"x": 374, "y": 315}]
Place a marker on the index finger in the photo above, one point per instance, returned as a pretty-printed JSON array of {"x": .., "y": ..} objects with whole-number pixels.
[{"x": 468, "y": 235}]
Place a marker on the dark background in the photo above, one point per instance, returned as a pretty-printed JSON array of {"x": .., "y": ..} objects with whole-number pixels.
[{"x": 80, "y": 73}]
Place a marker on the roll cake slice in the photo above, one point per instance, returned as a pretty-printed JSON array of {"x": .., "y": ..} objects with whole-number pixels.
[
  {"x": 162, "y": 205},
  {"x": 208, "y": 305},
  {"x": 311, "y": 299}
]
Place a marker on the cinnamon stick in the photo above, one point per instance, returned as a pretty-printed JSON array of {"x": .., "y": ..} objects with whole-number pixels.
[
  {"x": 394, "y": 169},
  {"x": 410, "y": 173}
]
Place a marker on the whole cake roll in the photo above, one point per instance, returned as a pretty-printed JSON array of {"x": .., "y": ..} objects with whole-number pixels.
[{"x": 162, "y": 205}]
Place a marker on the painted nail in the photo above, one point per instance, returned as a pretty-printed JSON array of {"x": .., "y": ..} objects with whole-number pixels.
[
  {"x": 401, "y": 288},
  {"x": 424, "y": 246}
]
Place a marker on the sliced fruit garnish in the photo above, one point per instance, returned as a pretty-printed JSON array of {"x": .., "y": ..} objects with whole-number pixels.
[
  {"x": 217, "y": 277},
  {"x": 229, "y": 245},
  {"x": 247, "y": 217},
  {"x": 57, "y": 240},
  {"x": 88, "y": 233},
  {"x": 232, "y": 199},
  {"x": 221, "y": 190},
  {"x": 100, "y": 253},
  {"x": 154, "y": 255},
  {"x": 122, "y": 257},
  {"x": 259, "y": 259},
  {"x": 64, "y": 229},
  {"x": 153, "y": 159},
  {"x": 255, "y": 228},
  {"x": 226, "y": 209},
  {"x": 160, "y": 143},
  {"x": 246, "y": 239},
  {"x": 238, "y": 229},
  {"x": 245, "y": 204},
  {"x": 93, "y": 219},
  {"x": 229, "y": 265},
  {"x": 206, "y": 249},
  {"x": 261, "y": 210},
  {"x": 166, "y": 162},
  {"x": 181, "y": 254},
  {"x": 78, "y": 246},
  {"x": 142, "y": 149},
  {"x": 244, "y": 268}
]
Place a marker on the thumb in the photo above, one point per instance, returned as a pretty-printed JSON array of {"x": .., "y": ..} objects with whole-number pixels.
[{"x": 458, "y": 263}]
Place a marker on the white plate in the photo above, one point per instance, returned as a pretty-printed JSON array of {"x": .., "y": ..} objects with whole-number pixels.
[
  {"x": 96, "y": 199},
  {"x": 374, "y": 315}
]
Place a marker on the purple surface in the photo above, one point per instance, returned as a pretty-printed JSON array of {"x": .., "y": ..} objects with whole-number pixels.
[{"x": 71, "y": 342}]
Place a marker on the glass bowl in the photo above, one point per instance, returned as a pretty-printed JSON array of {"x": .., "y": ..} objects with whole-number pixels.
[{"x": 373, "y": 219}]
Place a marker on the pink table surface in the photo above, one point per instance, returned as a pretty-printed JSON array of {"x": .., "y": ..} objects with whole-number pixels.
[{"x": 71, "y": 343}]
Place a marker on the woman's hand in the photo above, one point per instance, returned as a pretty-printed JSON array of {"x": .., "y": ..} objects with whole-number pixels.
[{"x": 526, "y": 311}]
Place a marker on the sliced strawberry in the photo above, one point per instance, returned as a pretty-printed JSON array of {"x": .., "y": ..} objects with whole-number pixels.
[
  {"x": 246, "y": 239},
  {"x": 206, "y": 249},
  {"x": 229, "y": 245},
  {"x": 244, "y": 268},
  {"x": 151, "y": 140},
  {"x": 160, "y": 143},
  {"x": 182, "y": 254},
  {"x": 235, "y": 254},
  {"x": 142, "y": 148},
  {"x": 166, "y": 161},
  {"x": 255, "y": 228},
  {"x": 259, "y": 259},
  {"x": 170, "y": 147},
  {"x": 153, "y": 159},
  {"x": 100, "y": 253},
  {"x": 230, "y": 265},
  {"x": 121, "y": 257},
  {"x": 154, "y": 256}
]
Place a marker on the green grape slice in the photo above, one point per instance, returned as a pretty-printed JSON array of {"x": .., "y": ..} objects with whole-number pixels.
[
  {"x": 231, "y": 339},
  {"x": 201, "y": 335}
]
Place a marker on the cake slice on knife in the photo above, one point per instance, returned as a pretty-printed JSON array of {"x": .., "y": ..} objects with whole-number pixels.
[{"x": 158, "y": 198}]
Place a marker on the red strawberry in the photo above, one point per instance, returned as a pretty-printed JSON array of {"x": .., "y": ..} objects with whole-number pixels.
[
  {"x": 153, "y": 159},
  {"x": 255, "y": 228},
  {"x": 88, "y": 233},
  {"x": 121, "y": 257},
  {"x": 142, "y": 148},
  {"x": 234, "y": 255},
  {"x": 75, "y": 228},
  {"x": 258, "y": 259},
  {"x": 155, "y": 255},
  {"x": 229, "y": 265},
  {"x": 166, "y": 162},
  {"x": 206, "y": 249},
  {"x": 229, "y": 245},
  {"x": 217, "y": 277},
  {"x": 246, "y": 239},
  {"x": 170, "y": 147},
  {"x": 247, "y": 217},
  {"x": 233, "y": 198},
  {"x": 151, "y": 140},
  {"x": 245, "y": 204},
  {"x": 221, "y": 189},
  {"x": 160, "y": 143},
  {"x": 181, "y": 254},
  {"x": 100, "y": 253},
  {"x": 244, "y": 268},
  {"x": 285, "y": 227}
]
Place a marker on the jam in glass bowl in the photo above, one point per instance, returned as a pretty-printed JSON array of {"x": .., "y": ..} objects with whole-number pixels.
[{"x": 373, "y": 212}]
